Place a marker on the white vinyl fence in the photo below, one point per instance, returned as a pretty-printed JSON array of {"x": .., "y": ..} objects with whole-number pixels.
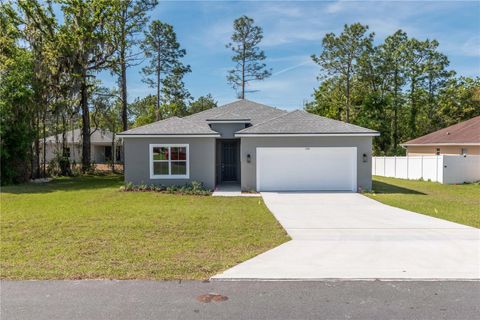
[{"x": 444, "y": 168}]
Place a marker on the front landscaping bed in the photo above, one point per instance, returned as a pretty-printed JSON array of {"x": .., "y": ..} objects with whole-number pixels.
[
  {"x": 86, "y": 228},
  {"x": 457, "y": 203}
]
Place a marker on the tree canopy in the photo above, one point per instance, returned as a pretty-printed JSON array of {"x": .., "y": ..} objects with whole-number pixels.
[
  {"x": 402, "y": 87},
  {"x": 247, "y": 55}
]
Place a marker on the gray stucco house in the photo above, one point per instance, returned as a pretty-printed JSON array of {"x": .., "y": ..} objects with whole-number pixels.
[{"x": 258, "y": 147}]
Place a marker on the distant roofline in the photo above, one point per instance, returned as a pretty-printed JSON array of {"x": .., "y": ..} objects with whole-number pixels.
[
  {"x": 168, "y": 135},
  {"x": 453, "y": 132},
  {"x": 440, "y": 144},
  {"x": 337, "y": 134}
]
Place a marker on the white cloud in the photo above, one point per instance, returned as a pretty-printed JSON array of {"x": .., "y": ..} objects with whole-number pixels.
[
  {"x": 294, "y": 67},
  {"x": 335, "y": 7},
  {"x": 471, "y": 47},
  {"x": 289, "y": 34},
  {"x": 286, "y": 11}
]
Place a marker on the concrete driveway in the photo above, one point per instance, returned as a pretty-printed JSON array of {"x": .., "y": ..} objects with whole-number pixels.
[{"x": 349, "y": 236}]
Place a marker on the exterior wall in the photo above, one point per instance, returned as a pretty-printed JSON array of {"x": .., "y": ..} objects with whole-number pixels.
[
  {"x": 201, "y": 160},
  {"x": 227, "y": 130},
  {"x": 98, "y": 154},
  {"x": 249, "y": 145},
  {"x": 447, "y": 150},
  {"x": 52, "y": 150}
]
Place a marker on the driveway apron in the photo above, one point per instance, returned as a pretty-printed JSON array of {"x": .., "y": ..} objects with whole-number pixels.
[{"x": 349, "y": 236}]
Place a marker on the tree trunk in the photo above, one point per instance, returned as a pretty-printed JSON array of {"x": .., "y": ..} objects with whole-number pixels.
[
  {"x": 413, "y": 110},
  {"x": 157, "y": 109},
  {"x": 395, "y": 112},
  {"x": 64, "y": 160},
  {"x": 37, "y": 145},
  {"x": 114, "y": 152},
  {"x": 243, "y": 74},
  {"x": 86, "y": 161},
  {"x": 159, "y": 79},
  {"x": 347, "y": 110},
  {"x": 44, "y": 142},
  {"x": 123, "y": 90},
  {"x": 32, "y": 153}
]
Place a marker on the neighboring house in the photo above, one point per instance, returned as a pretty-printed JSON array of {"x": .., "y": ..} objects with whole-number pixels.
[
  {"x": 460, "y": 139},
  {"x": 253, "y": 145},
  {"x": 100, "y": 146}
]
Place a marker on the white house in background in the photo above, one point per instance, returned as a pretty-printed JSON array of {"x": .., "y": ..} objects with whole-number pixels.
[{"x": 100, "y": 146}]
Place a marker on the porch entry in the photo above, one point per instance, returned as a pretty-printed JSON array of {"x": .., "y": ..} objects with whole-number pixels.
[{"x": 228, "y": 157}]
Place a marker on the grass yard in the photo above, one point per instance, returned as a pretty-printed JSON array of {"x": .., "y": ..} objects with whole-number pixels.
[
  {"x": 85, "y": 228},
  {"x": 457, "y": 203}
]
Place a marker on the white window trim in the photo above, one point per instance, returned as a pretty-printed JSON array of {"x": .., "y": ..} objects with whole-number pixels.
[{"x": 169, "y": 176}]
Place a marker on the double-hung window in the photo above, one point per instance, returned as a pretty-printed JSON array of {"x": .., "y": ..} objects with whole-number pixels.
[{"x": 169, "y": 161}]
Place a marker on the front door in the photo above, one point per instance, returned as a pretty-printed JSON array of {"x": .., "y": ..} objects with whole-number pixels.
[
  {"x": 108, "y": 153},
  {"x": 229, "y": 161}
]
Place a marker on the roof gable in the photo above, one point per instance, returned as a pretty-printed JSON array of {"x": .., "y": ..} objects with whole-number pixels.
[
  {"x": 238, "y": 110},
  {"x": 464, "y": 132},
  {"x": 302, "y": 122},
  {"x": 172, "y": 126},
  {"x": 264, "y": 120}
]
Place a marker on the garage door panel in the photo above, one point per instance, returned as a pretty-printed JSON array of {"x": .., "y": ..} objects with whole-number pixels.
[{"x": 285, "y": 169}]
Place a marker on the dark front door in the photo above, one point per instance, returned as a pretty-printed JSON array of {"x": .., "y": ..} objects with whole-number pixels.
[
  {"x": 229, "y": 161},
  {"x": 108, "y": 153}
]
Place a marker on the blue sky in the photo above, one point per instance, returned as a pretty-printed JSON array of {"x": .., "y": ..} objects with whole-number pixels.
[{"x": 293, "y": 30}]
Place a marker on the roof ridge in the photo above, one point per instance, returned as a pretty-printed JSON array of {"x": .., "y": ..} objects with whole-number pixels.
[
  {"x": 266, "y": 121},
  {"x": 304, "y": 122},
  {"x": 470, "y": 123},
  {"x": 153, "y": 125},
  {"x": 214, "y": 108},
  {"x": 338, "y": 121},
  {"x": 231, "y": 107},
  {"x": 148, "y": 125},
  {"x": 455, "y": 130}
]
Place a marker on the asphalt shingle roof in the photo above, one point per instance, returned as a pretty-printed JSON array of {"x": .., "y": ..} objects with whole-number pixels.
[
  {"x": 172, "y": 126},
  {"x": 463, "y": 132},
  {"x": 302, "y": 122},
  {"x": 238, "y": 110},
  {"x": 264, "y": 120}
]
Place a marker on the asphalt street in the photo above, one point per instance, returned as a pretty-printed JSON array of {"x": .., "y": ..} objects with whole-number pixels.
[{"x": 105, "y": 299}]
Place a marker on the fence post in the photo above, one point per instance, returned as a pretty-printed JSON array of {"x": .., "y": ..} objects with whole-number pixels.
[
  {"x": 384, "y": 166},
  {"x": 421, "y": 167},
  {"x": 407, "y": 166},
  {"x": 395, "y": 168},
  {"x": 375, "y": 165},
  {"x": 436, "y": 170}
]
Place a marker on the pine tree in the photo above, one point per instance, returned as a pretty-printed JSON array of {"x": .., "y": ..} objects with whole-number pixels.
[{"x": 247, "y": 55}]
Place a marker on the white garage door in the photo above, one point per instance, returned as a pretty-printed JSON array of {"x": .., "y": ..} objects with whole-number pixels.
[{"x": 306, "y": 169}]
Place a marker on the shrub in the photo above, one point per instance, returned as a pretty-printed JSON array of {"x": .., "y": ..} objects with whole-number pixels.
[
  {"x": 76, "y": 169},
  {"x": 92, "y": 168},
  {"x": 192, "y": 188},
  {"x": 129, "y": 186}
]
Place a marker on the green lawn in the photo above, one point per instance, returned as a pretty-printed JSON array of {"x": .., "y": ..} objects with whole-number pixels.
[
  {"x": 457, "y": 203},
  {"x": 85, "y": 228}
]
